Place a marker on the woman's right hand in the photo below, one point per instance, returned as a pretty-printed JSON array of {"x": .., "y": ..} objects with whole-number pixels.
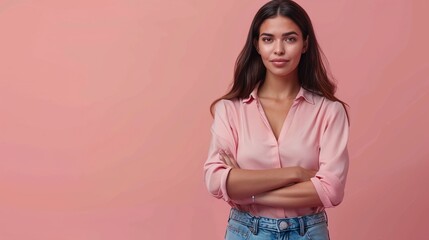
[{"x": 305, "y": 174}]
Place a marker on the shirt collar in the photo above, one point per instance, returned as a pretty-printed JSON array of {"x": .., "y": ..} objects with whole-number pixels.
[
  {"x": 306, "y": 95},
  {"x": 253, "y": 94},
  {"x": 302, "y": 94}
]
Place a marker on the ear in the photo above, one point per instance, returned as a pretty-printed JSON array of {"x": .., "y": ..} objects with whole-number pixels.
[{"x": 305, "y": 47}]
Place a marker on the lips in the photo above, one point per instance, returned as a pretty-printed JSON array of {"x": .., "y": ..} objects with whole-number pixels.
[{"x": 279, "y": 62}]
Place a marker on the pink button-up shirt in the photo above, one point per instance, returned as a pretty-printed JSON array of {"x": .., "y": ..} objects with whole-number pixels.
[{"x": 314, "y": 136}]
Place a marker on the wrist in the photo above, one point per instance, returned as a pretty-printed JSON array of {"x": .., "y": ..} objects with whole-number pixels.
[{"x": 296, "y": 174}]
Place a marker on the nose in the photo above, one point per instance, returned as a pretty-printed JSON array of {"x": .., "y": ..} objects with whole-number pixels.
[{"x": 279, "y": 48}]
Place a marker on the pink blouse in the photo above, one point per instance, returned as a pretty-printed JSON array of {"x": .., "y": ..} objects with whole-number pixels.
[{"x": 314, "y": 136}]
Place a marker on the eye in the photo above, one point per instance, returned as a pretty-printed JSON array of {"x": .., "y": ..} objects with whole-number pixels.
[
  {"x": 267, "y": 39},
  {"x": 291, "y": 39}
]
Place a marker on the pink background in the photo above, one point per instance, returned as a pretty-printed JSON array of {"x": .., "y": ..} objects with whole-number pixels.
[{"x": 105, "y": 120}]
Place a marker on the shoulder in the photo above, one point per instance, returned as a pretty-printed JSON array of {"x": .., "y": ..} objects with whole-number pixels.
[
  {"x": 224, "y": 105},
  {"x": 335, "y": 113},
  {"x": 226, "y": 108},
  {"x": 328, "y": 105},
  {"x": 329, "y": 109},
  {"x": 335, "y": 107}
]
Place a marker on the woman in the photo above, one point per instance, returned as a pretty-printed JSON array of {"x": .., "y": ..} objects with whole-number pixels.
[{"x": 278, "y": 152}]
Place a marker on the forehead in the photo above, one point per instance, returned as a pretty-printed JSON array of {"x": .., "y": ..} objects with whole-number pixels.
[{"x": 278, "y": 25}]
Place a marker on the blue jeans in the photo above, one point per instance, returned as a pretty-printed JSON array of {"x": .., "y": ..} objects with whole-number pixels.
[{"x": 243, "y": 226}]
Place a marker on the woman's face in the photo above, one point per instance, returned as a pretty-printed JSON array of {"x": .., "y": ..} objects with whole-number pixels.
[{"x": 280, "y": 44}]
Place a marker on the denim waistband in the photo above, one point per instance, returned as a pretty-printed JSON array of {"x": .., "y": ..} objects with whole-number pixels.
[{"x": 300, "y": 223}]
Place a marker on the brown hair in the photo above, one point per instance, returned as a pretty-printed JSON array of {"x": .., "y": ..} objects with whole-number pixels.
[{"x": 250, "y": 70}]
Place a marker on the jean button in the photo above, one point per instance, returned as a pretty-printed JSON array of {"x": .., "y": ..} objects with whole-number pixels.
[{"x": 283, "y": 225}]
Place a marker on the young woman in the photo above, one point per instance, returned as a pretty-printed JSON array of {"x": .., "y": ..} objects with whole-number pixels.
[{"x": 278, "y": 152}]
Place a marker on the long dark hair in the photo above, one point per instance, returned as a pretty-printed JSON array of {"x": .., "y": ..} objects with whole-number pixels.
[{"x": 250, "y": 70}]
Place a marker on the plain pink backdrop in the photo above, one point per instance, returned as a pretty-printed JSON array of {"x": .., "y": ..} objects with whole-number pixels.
[{"x": 105, "y": 120}]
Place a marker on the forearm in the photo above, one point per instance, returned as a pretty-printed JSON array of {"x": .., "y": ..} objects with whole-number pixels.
[
  {"x": 242, "y": 184},
  {"x": 299, "y": 195}
]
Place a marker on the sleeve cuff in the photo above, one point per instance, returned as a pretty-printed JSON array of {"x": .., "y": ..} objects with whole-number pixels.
[
  {"x": 321, "y": 192},
  {"x": 223, "y": 179}
]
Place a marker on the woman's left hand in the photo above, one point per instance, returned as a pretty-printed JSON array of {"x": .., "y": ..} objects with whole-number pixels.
[{"x": 228, "y": 159}]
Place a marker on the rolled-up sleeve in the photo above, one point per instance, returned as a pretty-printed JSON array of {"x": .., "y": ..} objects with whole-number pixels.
[
  {"x": 331, "y": 177},
  {"x": 223, "y": 136}
]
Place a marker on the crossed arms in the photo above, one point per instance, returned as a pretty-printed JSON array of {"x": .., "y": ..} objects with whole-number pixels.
[{"x": 288, "y": 187}]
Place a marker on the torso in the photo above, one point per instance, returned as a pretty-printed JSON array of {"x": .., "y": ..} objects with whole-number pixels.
[
  {"x": 292, "y": 139},
  {"x": 276, "y": 112}
]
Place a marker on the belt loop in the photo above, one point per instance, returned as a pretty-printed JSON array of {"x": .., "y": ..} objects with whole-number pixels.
[
  {"x": 255, "y": 227},
  {"x": 231, "y": 212},
  {"x": 301, "y": 226},
  {"x": 326, "y": 217}
]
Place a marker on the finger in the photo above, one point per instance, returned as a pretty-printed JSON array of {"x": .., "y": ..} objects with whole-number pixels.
[
  {"x": 228, "y": 160},
  {"x": 222, "y": 157},
  {"x": 225, "y": 158},
  {"x": 232, "y": 160},
  {"x": 235, "y": 163}
]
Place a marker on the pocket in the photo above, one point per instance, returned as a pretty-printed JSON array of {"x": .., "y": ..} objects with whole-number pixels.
[
  {"x": 236, "y": 231},
  {"x": 317, "y": 232}
]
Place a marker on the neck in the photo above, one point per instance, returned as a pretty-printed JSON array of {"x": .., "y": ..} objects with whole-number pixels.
[{"x": 280, "y": 88}]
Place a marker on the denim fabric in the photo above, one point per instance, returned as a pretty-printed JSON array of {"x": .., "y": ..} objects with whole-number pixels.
[{"x": 243, "y": 226}]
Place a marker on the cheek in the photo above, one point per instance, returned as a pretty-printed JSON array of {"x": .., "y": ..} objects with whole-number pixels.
[
  {"x": 297, "y": 56},
  {"x": 295, "y": 52},
  {"x": 264, "y": 51}
]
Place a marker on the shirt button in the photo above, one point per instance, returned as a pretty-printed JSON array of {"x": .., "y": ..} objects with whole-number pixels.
[{"x": 283, "y": 225}]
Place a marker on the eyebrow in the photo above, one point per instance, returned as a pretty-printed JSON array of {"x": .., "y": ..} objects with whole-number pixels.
[{"x": 284, "y": 34}]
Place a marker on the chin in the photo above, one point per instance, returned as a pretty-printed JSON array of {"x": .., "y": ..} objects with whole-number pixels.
[{"x": 281, "y": 73}]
